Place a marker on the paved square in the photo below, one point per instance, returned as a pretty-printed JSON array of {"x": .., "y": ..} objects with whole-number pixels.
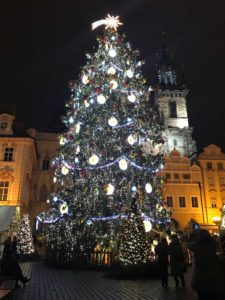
[{"x": 58, "y": 284}]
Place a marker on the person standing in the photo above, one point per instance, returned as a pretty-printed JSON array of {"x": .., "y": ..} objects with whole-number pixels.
[
  {"x": 177, "y": 260},
  {"x": 206, "y": 279},
  {"x": 161, "y": 251}
]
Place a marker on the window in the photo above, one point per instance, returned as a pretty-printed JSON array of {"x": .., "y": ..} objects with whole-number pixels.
[
  {"x": 182, "y": 202},
  {"x": 176, "y": 176},
  {"x": 3, "y": 125},
  {"x": 220, "y": 166},
  {"x": 4, "y": 189},
  {"x": 169, "y": 201},
  {"x": 173, "y": 109},
  {"x": 167, "y": 175},
  {"x": 186, "y": 176},
  {"x": 222, "y": 181},
  {"x": 45, "y": 163},
  {"x": 209, "y": 166},
  {"x": 8, "y": 155},
  {"x": 194, "y": 201},
  {"x": 213, "y": 202},
  {"x": 43, "y": 193}
]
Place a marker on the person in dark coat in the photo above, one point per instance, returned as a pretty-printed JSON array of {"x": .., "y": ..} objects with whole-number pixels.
[
  {"x": 12, "y": 269},
  {"x": 177, "y": 260},
  {"x": 14, "y": 245},
  {"x": 7, "y": 247},
  {"x": 161, "y": 251},
  {"x": 206, "y": 279}
]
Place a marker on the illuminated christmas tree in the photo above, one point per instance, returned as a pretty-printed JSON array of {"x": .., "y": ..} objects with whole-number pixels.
[
  {"x": 14, "y": 224},
  {"x": 112, "y": 149},
  {"x": 24, "y": 237},
  {"x": 135, "y": 247}
]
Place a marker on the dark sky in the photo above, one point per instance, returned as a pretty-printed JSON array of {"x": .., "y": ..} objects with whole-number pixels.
[{"x": 43, "y": 45}]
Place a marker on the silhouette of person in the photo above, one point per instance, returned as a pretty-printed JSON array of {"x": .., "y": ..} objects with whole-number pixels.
[
  {"x": 177, "y": 260},
  {"x": 161, "y": 251}
]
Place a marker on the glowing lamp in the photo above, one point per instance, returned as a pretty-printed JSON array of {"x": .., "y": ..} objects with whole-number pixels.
[
  {"x": 112, "y": 121},
  {"x": 62, "y": 141},
  {"x": 112, "y": 53},
  {"x": 147, "y": 225},
  {"x": 109, "y": 189},
  {"x": 113, "y": 84},
  {"x": 101, "y": 99},
  {"x": 131, "y": 98},
  {"x": 123, "y": 164},
  {"x": 54, "y": 179},
  {"x": 93, "y": 160},
  {"x": 148, "y": 188},
  {"x": 64, "y": 170},
  {"x": 131, "y": 139}
]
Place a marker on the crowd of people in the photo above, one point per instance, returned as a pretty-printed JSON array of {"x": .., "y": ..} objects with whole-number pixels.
[
  {"x": 207, "y": 270},
  {"x": 9, "y": 267}
]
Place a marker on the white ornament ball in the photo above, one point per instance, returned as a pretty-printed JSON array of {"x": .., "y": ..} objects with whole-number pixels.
[
  {"x": 112, "y": 52},
  {"x": 109, "y": 189},
  {"x": 71, "y": 120},
  {"x": 134, "y": 189},
  {"x": 64, "y": 170},
  {"x": 78, "y": 149},
  {"x": 131, "y": 139},
  {"x": 101, "y": 99},
  {"x": 94, "y": 159},
  {"x": 111, "y": 71},
  {"x": 131, "y": 98},
  {"x": 148, "y": 188},
  {"x": 147, "y": 225},
  {"x": 112, "y": 121},
  {"x": 77, "y": 128},
  {"x": 86, "y": 103},
  {"x": 130, "y": 73},
  {"x": 64, "y": 208},
  {"x": 85, "y": 79},
  {"x": 54, "y": 179},
  {"x": 113, "y": 84},
  {"x": 123, "y": 164}
]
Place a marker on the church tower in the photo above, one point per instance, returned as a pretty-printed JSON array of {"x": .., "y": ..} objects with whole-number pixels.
[{"x": 170, "y": 96}]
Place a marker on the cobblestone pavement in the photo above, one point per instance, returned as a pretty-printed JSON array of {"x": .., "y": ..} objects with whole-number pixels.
[{"x": 57, "y": 284}]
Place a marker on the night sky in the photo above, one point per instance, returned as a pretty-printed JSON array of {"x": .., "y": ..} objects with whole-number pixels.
[{"x": 43, "y": 45}]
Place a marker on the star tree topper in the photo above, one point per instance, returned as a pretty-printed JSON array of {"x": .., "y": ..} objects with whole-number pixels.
[{"x": 109, "y": 22}]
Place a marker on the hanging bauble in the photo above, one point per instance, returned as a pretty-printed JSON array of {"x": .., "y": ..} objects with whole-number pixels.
[
  {"x": 131, "y": 139},
  {"x": 77, "y": 128},
  {"x": 89, "y": 222},
  {"x": 63, "y": 208},
  {"x": 112, "y": 52},
  {"x": 55, "y": 199},
  {"x": 112, "y": 121},
  {"x": 113, "y": 84},
  {"x": 54, "y": 179},
  {"x": 148, "y": 188},
  {"x": 134, "y": 189},
  {"x": 109, "y": 189},
  {"x": 86, "y": 103},
  {"x": 111, "y": 71},
  {"x": 94, "y": 159},
  {"x": 130, "y": 73},
  {"x": 78, "y": 149},
  {"x": 62, "y": 141},
  {"x": 123, "y": 164},
  {"x": 76, "y": 160},
  {"x": 64, "y": 170},
  {"x": 147, "y": 225},
  {"x": 101, "y": 99},
  {"x": 113, "y": 38},
  {"x": 71, "y": 120},
  {"x": 131, "y": 98},
  {"x": 85, "y": 79}
]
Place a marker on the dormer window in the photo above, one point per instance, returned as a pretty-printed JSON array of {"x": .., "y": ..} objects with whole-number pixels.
[
  {"x": 8, "y": 155},
  {"x": 3, "y": 125}
]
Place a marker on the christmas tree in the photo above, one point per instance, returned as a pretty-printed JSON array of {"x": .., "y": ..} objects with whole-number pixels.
[
  {"x": 135, "y": 247},
  {"x": 24, "y": 237},
  {"x": 14, "y": 224},
  {"x": 112, "y": 149}
]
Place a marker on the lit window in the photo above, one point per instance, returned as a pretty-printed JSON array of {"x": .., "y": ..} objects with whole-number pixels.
[
  {"x": 209, "y": 165},
  {"x": 182, "y": 202},
  {"x": 176, "y": 176},
  {"x": 8, "y": 155},
  {"x": 4, "y": 189},
  {"x": 173, "y": 109},
  {"x": 169, "y": 201},
  {"x": 220, "y": 166},
  {"x": 186, "y": 176},
  {"x": 194, "y": 201}
]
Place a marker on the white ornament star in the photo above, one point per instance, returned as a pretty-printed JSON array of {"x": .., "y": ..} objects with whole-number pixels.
[{"x": 110, "y": 22}]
